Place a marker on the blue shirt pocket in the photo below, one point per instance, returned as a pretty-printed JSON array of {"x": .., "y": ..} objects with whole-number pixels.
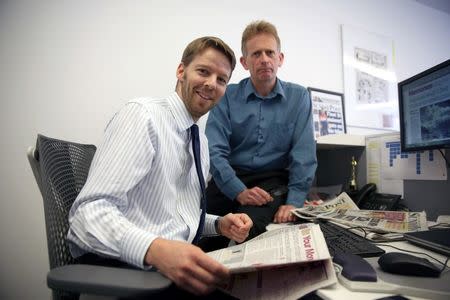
[{"x": 281, "y": 136}]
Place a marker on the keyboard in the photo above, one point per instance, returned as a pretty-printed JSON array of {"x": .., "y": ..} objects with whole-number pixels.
[{"x": 341, "y": 240}]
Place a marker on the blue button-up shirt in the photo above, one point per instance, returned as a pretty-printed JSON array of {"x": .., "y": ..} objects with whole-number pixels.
[{"x": 253, "y": 133}]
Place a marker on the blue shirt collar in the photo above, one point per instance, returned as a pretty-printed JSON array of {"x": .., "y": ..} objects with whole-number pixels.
[{"x": 276, "y": 93}]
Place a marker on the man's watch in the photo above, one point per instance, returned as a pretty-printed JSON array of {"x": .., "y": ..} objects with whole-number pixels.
[{"x": 216, "y": 225}]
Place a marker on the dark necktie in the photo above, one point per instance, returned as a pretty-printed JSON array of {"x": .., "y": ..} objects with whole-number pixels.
[{"x": 198, "y": 166}]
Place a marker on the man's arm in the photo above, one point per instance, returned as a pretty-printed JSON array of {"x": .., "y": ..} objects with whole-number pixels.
[
  {"x": 97, "y": 223},
  {"x": 188, "y": 266},
  {"x": 218, "y": 131},
  {"x": 302, "y": 161},
  {"x": 302, "y": 157}
]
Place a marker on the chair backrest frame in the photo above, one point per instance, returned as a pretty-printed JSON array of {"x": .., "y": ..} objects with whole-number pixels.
[
  {"x": 61, "y": 172},
  {"x": 33, "y": 159}
]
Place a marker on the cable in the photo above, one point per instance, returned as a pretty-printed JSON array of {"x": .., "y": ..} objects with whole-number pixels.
[
  {"x": 360, "y": 228},
  {"x": 443, "y": 155},
  {"x": 439, "y": 226},
  {"x": 380, "y": 238}
]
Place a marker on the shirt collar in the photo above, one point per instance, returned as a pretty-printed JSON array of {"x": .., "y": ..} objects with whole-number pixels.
[
  {"x": 182, "y": 117},
  {"x": 277, "y": 91}
]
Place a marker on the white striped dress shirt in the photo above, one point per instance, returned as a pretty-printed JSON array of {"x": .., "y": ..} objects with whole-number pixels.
[{"x": 142, "y": 184}]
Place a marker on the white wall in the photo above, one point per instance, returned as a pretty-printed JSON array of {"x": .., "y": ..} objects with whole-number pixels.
[{"x": 67, "y": 66}]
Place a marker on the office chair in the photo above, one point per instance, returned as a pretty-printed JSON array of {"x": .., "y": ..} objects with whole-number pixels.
[{"x": 60, "y": 169}]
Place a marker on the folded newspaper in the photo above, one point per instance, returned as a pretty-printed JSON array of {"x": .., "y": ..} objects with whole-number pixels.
[
  {"x": 285, "y": 263},
  {"x": 377, "y": 224}
]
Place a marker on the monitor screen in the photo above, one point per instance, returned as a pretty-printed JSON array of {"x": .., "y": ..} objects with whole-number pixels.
[{"x": 424, "y": 102}]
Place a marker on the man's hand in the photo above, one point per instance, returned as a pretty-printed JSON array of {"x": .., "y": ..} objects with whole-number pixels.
[
  {"x": 235, "y": 226},
  {"x": 186, "y": 265},
  {"x": 284, "y": 214},
  {"x": 254, "y": 196}
]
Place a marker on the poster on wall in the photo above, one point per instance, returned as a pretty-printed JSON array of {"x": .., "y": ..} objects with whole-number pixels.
[
  {"x": 370, "y": 82},
  {"x": 387, "y": 166},
  {"x": 328, "y": 112}
]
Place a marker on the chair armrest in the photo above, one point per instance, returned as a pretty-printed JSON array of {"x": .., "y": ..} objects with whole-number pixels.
[{"x": 106, "y": 281}]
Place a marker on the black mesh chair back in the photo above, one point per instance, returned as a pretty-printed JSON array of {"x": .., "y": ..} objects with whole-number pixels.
[
  {"x": 64, "y": 167},
  {"x": 61, "y": 169}
]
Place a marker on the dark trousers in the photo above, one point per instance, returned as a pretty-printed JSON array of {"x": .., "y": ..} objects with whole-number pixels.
[{"x": 219, "y": 204}]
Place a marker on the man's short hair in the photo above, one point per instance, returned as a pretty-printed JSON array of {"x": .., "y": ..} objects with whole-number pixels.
[
  {"x": 258, "y": 27},
  {"x": 199, "y": 45}
]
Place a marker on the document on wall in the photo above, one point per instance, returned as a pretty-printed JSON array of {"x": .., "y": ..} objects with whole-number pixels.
[
  {"x": 285, "y": 263},
  {"x": 375, "y": 169},
  {"x": 388, "y": 166}
]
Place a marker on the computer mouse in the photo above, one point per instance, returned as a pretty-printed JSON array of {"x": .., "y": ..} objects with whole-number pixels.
[{"x": 407, "y": 264}]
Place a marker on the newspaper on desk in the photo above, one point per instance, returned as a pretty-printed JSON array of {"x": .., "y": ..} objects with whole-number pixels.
[
  {"x": 379, "y": 225},
  {"x": 285, "y": 263}
]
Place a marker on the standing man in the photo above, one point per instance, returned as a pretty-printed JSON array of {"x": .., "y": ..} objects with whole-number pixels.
[
  {"x": 142, "y": 203},
  {"x": 260, "y": 136}
]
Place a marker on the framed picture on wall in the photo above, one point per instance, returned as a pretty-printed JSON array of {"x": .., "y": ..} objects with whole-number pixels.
[
  {"x": 328, "y": 112},
  {"x": 370, "y": 82}
]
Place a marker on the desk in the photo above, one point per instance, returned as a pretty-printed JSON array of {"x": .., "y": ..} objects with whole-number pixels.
[{"x": 339, "y": 292}]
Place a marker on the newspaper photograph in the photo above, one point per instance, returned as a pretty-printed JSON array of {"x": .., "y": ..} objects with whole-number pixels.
[
  {"x": 342, "y": 201},
  {"x": 285, "y": 263},
  {"x": 381, "y": 220}
]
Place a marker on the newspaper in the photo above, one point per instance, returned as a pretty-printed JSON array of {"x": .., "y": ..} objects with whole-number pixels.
[
  {"x": 343, "y": 210},
  {"x": 343, "y": 201},
  {"x": 285, "y": 263}
]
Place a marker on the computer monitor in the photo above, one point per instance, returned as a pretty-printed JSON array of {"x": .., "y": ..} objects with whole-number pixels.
[{"x": 424, "y": 102}]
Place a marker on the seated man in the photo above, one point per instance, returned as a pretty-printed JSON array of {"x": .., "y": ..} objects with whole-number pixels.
[
  {"x": 142, "y": 203},
  {"x": 261, "y": 138}
]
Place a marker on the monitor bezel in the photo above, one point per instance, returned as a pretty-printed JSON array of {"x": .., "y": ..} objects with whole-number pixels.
[{"x": 404, "y": 146}]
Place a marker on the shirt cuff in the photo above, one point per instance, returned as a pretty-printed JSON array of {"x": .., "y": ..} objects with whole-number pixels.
[
  {"x": 135, "y": 244},
  {"x": 209, "y": 228},
  {"x": 233, "y": 187},
  {"x": 296, "y": 198}
]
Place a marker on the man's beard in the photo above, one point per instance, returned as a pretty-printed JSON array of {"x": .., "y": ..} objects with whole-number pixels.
[{"x": 189, "y": 93}]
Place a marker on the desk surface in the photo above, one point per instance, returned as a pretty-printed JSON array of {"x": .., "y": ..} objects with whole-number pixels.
[{"x": 442, "y": 283}]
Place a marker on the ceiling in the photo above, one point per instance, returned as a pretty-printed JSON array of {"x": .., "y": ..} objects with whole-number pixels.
[{"x": 442, "y": 5}]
